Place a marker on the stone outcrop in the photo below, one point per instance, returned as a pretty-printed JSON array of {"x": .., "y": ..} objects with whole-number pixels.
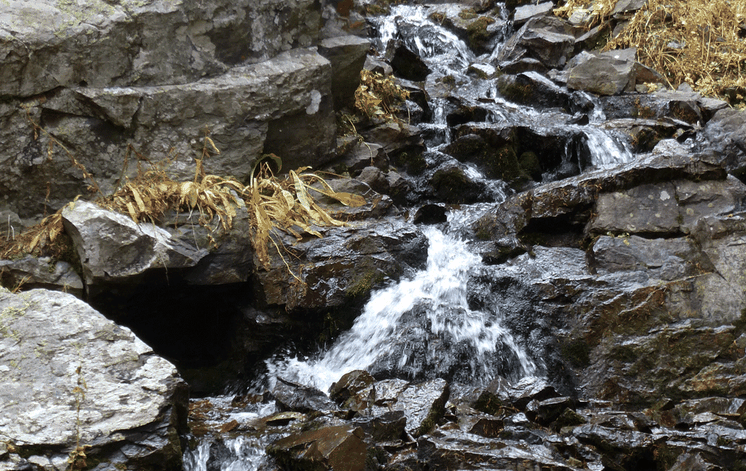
[
  {"x": 71, "y": 378},
  {"x": 52, "y": 44},
  {"x": 115, "y": 84}
]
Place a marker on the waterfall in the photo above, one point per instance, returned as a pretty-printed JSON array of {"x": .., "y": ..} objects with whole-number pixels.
[
  {"x": 428, "y": 325},
  {"x": 420, "y": 328}
]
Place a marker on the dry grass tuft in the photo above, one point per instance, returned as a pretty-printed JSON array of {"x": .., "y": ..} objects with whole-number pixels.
[
  {"x": 699, "y": 42},
  {"x": 289, "y": 206},
  {"x": 696, "y": 42}
]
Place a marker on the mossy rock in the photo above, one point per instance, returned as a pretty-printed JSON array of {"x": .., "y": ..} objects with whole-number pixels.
[
  {"x": 529, "y": 163},
  {"x": 577, "y": 352},
  {"x": 412, "y": 161},
  {"x": 478, "y": 34},
  {"x": 453, "y": 186},
  {"x": 511, "y": 90}
]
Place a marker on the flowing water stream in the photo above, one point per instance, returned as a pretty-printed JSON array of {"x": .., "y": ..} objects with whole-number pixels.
[{"x": 425, "y": 326}]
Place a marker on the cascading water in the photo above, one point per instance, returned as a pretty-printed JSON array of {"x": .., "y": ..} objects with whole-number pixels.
[
  {"x": 425, "y": 326},
  {"x": 421, "y": 328}
]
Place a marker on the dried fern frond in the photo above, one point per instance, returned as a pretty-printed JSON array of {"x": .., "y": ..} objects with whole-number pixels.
[
  {"x": 40, "y": 239},
  {"x": 377, "y": 95},
  {"x": 288, "y": 206}
]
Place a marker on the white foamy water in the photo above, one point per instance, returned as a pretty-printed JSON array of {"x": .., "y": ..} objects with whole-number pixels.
[
  {"x": 606, "y": 151},
  {"x": 385, "y": 329}
]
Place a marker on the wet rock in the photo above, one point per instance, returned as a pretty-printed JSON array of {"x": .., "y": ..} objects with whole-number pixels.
[
  {"x": 347, "y": 55},
  {"x": 547, "y": 39},
  {"x": 106, "y": 45},
  {"x": 296, "y": 397},
  {"x": 666, "y": 259},
  {"x": 406, "y": 64},
  {"x": 356, "y": 155},
  {"x": 495, "y": 156},
  {"x": 453, "y": 185},
  {"x": 114, "y": 249},
  {"x": 387, "y": 427},
  {"x": 43, "y": 272},
  {"x": 483, "y": 425},
  {"x": 608, "y": 73},
  {"x": 724, "y": 134},
  {"x": 567, "y": 201},
  {"x": 340, "y": 448},
  {"x": 621, "y": 448},
  {"x": 343, "y": 266},
  {"x": 548, "y": 410},
  {"x": 666, "y": 208},
  {"x": 480, "y": 31},
  {"x": 396, "y": 138},
  {"x": 431, "y": 214},
  {"x": 526, "y": 12},
  {"x": 70, "y": 374},
  {"x": 423, "y": 405},
  {"x": 455, "y": 450},
  {"x": 349, "y": 385},
  {"x": 532, "y": 88},
  {"x": 688, "y": 107},
  {"x": 645, "y": 134},
  {"x": 102, "y": 126}
]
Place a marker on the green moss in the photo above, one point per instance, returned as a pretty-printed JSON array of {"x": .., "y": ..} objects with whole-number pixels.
[
  {"x": 478, "y": 72},
  {"x": 666, "y": 456},
  {"x": 467, "y": 14},
  {"x": 489, "y": 403},
  {"x": 449, "y": 80},
  {"x": 529, "y": 163},
  {"x": 518, "y": 93},
  {"x": 413, "y": 162},
  {"x": 577, "y": 352},
  {"x": 452, "y": 185},
  {"x": 364, "y": 284},
  {"x": 568, "y": 418},
  {"x": 483, "y": 234},
  {"x": 477, "y": 32}
]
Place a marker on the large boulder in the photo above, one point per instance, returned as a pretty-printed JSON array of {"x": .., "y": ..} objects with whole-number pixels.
[
  {"x": 75, "y": 385},
  {"x": 114, "y": 249},
  {"x": 547, "y": 39},
  {"x": 609, "y": 73}
]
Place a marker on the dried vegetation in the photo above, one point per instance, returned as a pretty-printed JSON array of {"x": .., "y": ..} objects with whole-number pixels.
[
  {"x": 272, "y": 203},
  {"x": 699, "y": 42},
  {"x": 377, "y": 96}
]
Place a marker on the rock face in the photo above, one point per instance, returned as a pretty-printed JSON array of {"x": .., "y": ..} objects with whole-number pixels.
[
  {"x": 71, "y": 377},
  {"x": 113, "y": 84},
  {"x": 247, "y": 111},
  {"x": 129, "y": 43}
]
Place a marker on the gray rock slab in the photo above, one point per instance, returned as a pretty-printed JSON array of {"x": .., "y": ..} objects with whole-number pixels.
[
  {"x": 113, "y": 247},
  {"x": 41, "y": 272},
  {"x": 69, "y": 374},
  {"x": 526, "y": 12},
  {"x": 546, "y": 38},
  {"x": 347, "y": 55},
  {"x": 52, "y": 43}
]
